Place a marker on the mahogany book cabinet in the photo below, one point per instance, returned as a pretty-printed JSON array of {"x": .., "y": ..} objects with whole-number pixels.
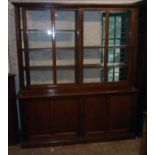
[{"x": 77, "y": 67}]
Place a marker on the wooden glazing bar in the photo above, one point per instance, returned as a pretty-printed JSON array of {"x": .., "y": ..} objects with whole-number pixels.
[
  {"x": 92, "y": 66},
  {"x": 53, "y": 45},
  {"x": 76, "y": 48},
  {"x": 44, "y": 30},
  {"x": 93, "y": 47},
  {"x": 114, "y": 48},
  {"x": 49, "y": 67},
  {"x": 25, "y": 35},
  {"x": 48, "y": 48},
  {"x": 106, "y": 46},
  {"x": 80, "y": 40}
]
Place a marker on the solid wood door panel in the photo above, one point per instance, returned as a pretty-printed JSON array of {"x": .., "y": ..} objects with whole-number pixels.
[
  {"x": 36, "y": 117},
  {"x": 95, "y": 114},
  {"x": 122, "y": 108},
  {"x": 66, "y": 116}
]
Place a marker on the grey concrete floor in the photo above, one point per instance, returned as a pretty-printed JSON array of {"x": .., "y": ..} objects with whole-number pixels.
[{"x": 123, "y": 147}]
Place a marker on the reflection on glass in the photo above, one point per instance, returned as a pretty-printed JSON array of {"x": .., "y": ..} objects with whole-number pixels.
[{"x": 39, "y": 39}]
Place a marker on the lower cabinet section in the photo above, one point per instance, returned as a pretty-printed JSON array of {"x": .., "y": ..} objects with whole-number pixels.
[{"x": 77, "y": 119}]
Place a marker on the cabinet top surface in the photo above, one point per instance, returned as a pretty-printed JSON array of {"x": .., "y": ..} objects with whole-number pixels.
[{"x": 76, "y": 2}]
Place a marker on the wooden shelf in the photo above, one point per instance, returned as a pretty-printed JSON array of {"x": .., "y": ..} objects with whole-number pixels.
[
  {"x": 92, "y": 65},
  {"x": 112, "y": 46},
  {"x": 50, "y": 67},
  {"x": 118, "y": 46},
  {"x": 65, "y": 48},
  {"x": 59, "y": 31},
  {"x": 99, "y": 65},
  {"x": 93, "y": 47},
  {"x": 36, "y": 49},
  {"x": 117, "y": 65},
  {"x": 66, "y": 67},
  {"x": 35, "y": 30},
  {"x": 45, "y": 30},
  {"x": 49, "y": 48}
]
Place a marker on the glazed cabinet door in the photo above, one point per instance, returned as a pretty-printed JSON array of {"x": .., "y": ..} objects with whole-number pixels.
[{"x": 36, "y": 118}]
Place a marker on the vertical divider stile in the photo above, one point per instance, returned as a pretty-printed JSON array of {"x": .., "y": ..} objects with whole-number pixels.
[
  {"x": 106, "y": 46},
  {"x": 102, "y": 45},
  {"x": 76, "y": 47},
  {"x": 53, "y": 44},
  {"x": 25, "y": 35},
  {"x": 114, "y": 47},
  {"x": 80, "y": 41}
]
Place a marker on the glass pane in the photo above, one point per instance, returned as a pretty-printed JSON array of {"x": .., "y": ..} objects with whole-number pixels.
[
  {"x": 65, "y": 28},
  {"x": 119, "y": 24},
  {"x": 123, "y": 74},
  {"x": 24, "y": 78},
  {"x": 65, "y": 57},
  {"x": 110, "y": 74},
  {"x": 39, "y": 39},
  {"x": 41, "y": 76},
  {"x": 93, "y": 56},
  {"x": 117, "y": 56},
  {"x": 91, "y": 75},
  {"x": 22, "y": 40},
  {"x": 65, "y": 76},
  {"x": 65, "y": 39},
  {"x": 65, "y": 20},
  {"x": 41, "y": 58},
  {"x": 117, "y": 74},
  {"x": 39, "y": 28},
  {"x": 23, "y": 55},
  {"x": 94, "y": 28},
  {"x": 65, "y": 44},
  {"x": 39, "y": 19}
]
